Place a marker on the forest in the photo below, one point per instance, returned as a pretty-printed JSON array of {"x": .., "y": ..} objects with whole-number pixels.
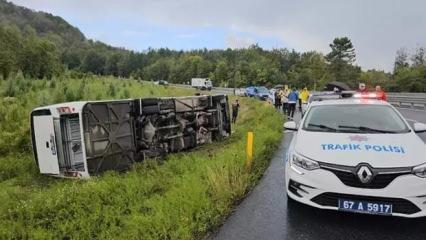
[{"x": 41, "y": 45}]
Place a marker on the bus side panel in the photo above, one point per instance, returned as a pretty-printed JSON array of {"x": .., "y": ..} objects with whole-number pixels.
[{"x": 109, "y": 136}]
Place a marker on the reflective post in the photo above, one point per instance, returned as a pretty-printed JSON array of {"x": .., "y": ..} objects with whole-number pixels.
[{"x": 249, "y": 149}]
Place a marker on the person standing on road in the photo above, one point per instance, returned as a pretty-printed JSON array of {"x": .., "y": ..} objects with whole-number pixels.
[
  {"x": 299, "y": 101},
  {"x": 235, "y": 108},
  {"x": 293, "y": 98},
  {"x": 277, "y": 100},
  {"x": 362, "y": 88},
  {"x": 284, "y": 100},
  {"x": 304, "y": 96},
  {"x": 381, "y": 95}
]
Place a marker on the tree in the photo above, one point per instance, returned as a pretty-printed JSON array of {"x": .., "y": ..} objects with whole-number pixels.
[
  {"x": 112, "y": 64},
  {"x": 401, "y": 60},
  {"x": 237, "y": 79},
  {"x": 160, "y": 70},
  {"x": 374, "y": 77},
  {"x": 411, "y": 79},
  {"x": 340, "y": 59},
  {"x": 221, "y": 73},
  {"x": 190, "y": 66},
  {"x": 418, "y": 57},
  {"x": 49, "y": 64},
  {"x": 10, "y": 50},
  {"x": 310, "y": 70},
  {"x": 342, "y": 51},
  {"x": 94, "y": 62},
  {"x": 40, "y": 57},
  {"x": 72, "y": 58}
]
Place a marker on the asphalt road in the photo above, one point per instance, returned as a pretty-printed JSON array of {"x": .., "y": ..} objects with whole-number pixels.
[
  {"x": 413, "y": 115},
  {"x": 264, "y": 213}
]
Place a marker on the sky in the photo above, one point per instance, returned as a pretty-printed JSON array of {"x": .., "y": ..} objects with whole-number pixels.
[{"x": 377, "y": 28}]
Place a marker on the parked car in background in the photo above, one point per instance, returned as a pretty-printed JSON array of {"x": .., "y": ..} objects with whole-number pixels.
[
  {"x": 161, "y": 82},
  {"x": 250, "y": 91},
  {"x": 262, "y": 93}
]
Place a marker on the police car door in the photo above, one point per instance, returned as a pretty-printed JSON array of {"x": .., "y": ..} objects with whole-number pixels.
[{"x": 44, "y": 136}]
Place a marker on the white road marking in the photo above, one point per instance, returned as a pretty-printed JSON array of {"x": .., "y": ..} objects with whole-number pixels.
[
  {"x": 411, "y": 120},
  {"x": 411, "y": 109}
]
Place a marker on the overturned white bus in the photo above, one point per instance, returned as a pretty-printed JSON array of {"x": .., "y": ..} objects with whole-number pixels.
[{"x": 80, "y": 139}]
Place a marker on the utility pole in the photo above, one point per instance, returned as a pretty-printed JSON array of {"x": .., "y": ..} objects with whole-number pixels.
[
  {"x": 315, "y": 84},
  {"x": 233, "y": 83}
]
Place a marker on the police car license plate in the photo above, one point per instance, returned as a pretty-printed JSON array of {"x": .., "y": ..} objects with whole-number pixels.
[{"x": 365, "y": 207}]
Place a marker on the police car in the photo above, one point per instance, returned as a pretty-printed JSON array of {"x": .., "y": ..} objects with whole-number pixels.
[{"x": 357, "y": 155}]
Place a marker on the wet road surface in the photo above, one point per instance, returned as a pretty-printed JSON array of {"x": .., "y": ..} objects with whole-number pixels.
[{"x": 264, "y": 214}]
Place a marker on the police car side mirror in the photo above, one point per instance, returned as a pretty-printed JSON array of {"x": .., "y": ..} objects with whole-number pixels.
[
  {"x": 419, "y": 127},
  {"x": 290, "y": 126}
]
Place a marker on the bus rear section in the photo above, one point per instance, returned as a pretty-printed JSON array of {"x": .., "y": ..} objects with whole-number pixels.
[{"x": 57, "y": 141}]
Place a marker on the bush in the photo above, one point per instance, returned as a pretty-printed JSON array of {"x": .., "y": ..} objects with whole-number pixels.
[
  {"x": 126, "y": 94},
  {"x": 14, "y": 127},
  {"x": 111, "y": 90},
  {"x": 10, "y": 90},
  {"x": 14, "y": 166}
]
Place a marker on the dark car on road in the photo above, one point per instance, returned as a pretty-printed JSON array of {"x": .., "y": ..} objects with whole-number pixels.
[
  {"x": 258, "y": 92},
  {"x": 162, "y": 82}
]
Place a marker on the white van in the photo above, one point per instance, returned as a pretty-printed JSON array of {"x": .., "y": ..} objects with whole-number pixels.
[{"x": 201, "y": 83}]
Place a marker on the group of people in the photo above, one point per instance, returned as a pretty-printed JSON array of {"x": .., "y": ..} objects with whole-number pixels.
[
  {"x": 287, "y": 99},
  {"x": 380, "y": 94}
]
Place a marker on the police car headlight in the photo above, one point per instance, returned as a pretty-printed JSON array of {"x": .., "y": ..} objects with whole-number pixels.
[
  {"x": 304, "y": 163},
  {"x": 420, "y": 171}
]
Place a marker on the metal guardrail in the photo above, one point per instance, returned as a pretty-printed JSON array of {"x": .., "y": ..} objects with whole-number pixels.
[
  {"x": 215, "y": 89},
  {"x": 408, "y": 100}
]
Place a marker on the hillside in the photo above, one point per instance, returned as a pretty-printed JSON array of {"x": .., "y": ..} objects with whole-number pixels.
[
  {"x": 42, "y": 46},
  {"x": 44, "y": 24},
  {"x": 20, "y": 26}
]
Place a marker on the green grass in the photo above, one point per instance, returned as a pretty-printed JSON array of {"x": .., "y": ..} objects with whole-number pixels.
[{"x": 183, "y": 197}]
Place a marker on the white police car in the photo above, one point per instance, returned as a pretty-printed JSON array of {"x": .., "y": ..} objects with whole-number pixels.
[{"x": 357, "y": 155}]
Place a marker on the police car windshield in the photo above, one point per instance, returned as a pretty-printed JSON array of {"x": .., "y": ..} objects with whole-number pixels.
[{"x": 354, "y": 119}]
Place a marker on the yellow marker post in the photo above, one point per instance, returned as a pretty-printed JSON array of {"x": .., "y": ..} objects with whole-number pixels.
[{"x": 249, "y": 149}]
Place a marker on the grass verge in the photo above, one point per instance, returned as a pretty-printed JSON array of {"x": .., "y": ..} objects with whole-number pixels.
[{"x": 183, "y": 197}]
